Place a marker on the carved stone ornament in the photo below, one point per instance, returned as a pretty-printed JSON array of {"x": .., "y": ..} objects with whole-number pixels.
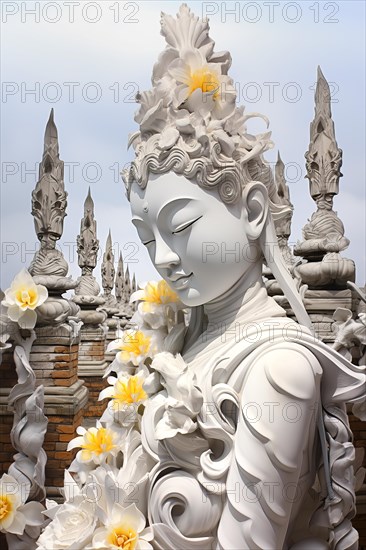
[
  {"x": 49, "y": 201},
  {"x": 119, "y": 287},
  {"x": 26, "y": 474},
  {"x": 282, "y": 226},
  {"x": 108, "y": 276},
  {"x": 324, "y": 233},
  {"x": 87, "y": 249}
]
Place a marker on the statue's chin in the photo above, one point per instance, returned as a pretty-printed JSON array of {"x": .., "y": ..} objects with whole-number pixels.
[{"x": 191, "y": 297}]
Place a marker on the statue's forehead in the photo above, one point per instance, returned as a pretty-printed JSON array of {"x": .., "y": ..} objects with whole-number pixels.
[
  {"x": 167, "y": 192},
  {"x": 155, "y": 210}
]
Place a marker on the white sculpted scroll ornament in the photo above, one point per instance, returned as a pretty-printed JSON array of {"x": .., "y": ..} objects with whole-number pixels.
[
  {"x": 241, "y": 441},
  {"x": 22, "y": 490}
]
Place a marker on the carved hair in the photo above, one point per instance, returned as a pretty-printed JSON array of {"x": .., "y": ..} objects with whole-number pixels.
[{"x": 211, "y": 171}]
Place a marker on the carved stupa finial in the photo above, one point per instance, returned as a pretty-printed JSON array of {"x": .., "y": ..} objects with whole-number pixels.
[
  {"x": 283, "y": 223},
  {"x": 87, "y": 248},
  {"x": 108, "y": 270},
  {"x": 127, "y": 283},
  {"x": 120, "y": 281},
  {"x": 49, "y": 201},
  {"x": 322, "y": 95},
  {"x": 282, "y": 187},
  {"x": 324, "y": 157},
  {"x": 88, "y": 244},
  {"x": 134, "y": 286},
  {"x": 323, "y": 235}
]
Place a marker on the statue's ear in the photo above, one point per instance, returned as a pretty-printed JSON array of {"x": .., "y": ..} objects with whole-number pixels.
[{"x": 255, "y": 208}]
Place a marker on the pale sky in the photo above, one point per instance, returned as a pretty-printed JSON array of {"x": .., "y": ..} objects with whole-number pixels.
[{"x": 87, "y": 60}]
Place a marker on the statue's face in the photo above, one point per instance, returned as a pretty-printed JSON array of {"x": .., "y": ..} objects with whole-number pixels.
[{"x": 196, "y": 242}]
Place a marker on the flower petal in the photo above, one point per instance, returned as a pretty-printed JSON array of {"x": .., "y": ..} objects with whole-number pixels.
[
  {"x": 23, "y": 278},
  {"x": 42, "y": 294},
  {"x": 76, "y": 442},
  {"x": 137, "y": 295},
  {"x": 9, "y": 298},
  {"x": 107, "y": 392},
  {"x": 33, "y": 512},
  {"x": 14, "y": 312},
  {"x": 28, "y": 319},
  {"x": 17, "y": 525}
]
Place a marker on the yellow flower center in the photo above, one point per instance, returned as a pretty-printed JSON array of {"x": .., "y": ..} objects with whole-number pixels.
[
  {"x": 159, "y": 293},
  {"x": 123, "y": 538},
  {"x": 26, "y": 297},
  {"x": 205, "y": 79},
  {"x": 135, "y": 342},
  {"x": 98, "y": 442},
  {"x": 130, "y": 391},
  {"x": 6, "y": 506}
]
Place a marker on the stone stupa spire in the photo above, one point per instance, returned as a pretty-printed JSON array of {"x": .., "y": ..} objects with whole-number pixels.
[
  {"x": 49, "y": 201},
  {"x": 324, "y": 157},
  {"x": 87, "y": 248},
  {"x": 134, "y": 285},
  {"x": 283, "y": 225},
  {"x": 323, "y": 235},
  {"x": 120, "y": 281},
  {"x": 108, "y": 272}
]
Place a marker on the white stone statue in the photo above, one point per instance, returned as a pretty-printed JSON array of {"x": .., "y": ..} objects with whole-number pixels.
[
  {"x": 268, "y": 461},
  {"x": 230, "y": 433}
]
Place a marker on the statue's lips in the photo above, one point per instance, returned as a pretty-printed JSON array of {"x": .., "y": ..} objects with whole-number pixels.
[{"x": 180, "y": 282}]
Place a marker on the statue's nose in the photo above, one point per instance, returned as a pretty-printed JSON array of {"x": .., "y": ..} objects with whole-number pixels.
[{"x": 164, "y": 255}]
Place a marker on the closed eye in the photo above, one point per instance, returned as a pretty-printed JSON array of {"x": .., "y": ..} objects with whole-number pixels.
[
  {"x": 184, "y": 226},
  {"x": 148, "y": 242}
]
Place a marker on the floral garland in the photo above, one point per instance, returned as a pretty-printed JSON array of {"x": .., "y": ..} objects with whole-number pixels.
[{"x": 106, "y": 486}]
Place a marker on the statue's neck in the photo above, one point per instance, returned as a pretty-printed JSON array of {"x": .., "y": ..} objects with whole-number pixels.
[{"x": 246, "y": 302}]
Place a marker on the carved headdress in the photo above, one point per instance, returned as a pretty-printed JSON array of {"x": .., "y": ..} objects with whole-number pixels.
[
  {"x": 189, "y": 121},
  {"x": 190, "y": 124}
]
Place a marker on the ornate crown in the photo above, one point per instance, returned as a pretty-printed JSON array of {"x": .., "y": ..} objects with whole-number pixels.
[{"x": 189, "y": 121}]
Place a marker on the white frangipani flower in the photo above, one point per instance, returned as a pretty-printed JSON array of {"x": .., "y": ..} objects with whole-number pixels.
[
  {"x": 157, "y": 301},
  {"x": 124, "y": 529},
  {"x": 133, "y": 346},
  {"x": 127, "y": 394},
  {"x": 22, "y": 298},
  {"x": 96, "y": 443},
  {"x": 15, "y": 514},
  {"x": 202, "y": 86}
]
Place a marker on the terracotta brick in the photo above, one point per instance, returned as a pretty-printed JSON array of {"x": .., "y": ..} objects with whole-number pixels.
[
  {"x": 65, "y": 438},
  {"x": 66, "y": 382},
  {"x": 56, "y": 419},
  {"x": 65, "y": 429},
  {"x": 61, "y": 365},
  {"x": 51, "y": 464},
  {"x": 62, "y": 374},
  {"x": 63, "y": 455}
]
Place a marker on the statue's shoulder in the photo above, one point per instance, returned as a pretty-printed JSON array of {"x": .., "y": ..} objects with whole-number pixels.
[{"x": 289, "y": 367}]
